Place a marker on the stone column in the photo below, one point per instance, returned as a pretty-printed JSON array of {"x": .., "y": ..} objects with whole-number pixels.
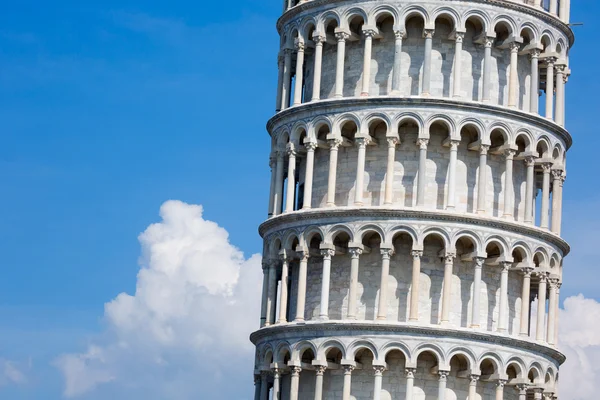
[
  {"x": 257, "y": 387},
  {"x": 265, "y": 293},
  {"x": 378, "y": 381},
  {"x": 333, "y": 156},
  {"x": 452, "y": 174},
  {"x": 534, "y": 101},
  {"x": 473, "y": 387},
  {"x": 500, "y": 389},
  {"x": 280, "y": 67},
  {"x": 308, "y": 176},
  {"x": 556, "y": 176},
  {"x": 355, "y": 253},
  {"x": 361, "y": 143},
  {"x": 553, "y": 7},
  {"x": 383, "y": 287},
  {"x": 278, "y": 198},
  {"x": 476, "y": 311},
  {"x": 287, "y": 78},
  {"x": 541, "y": 311},
  {"x": 273, "y": 168},
  {"x": 271, "y": 306},
  {"x": 414, "y": 291},
  {"x": 562, "y": 11},
  {"x": 503, "y": 309},
  {"x": 422, "y": 174},
  {"x": 442, "y": 384},
  {"x": 341, "y": 54},
  {"x": 397, "y": 63},
  {"x": 316, "y": 91},
  {"x": 552, "y": 302},
  {"x": 530, "y": 162},
  {"x": 482, "y": 184},
  {"x": 560, "y": 94},
  {"x": 324, "y": 308},
  {"x": 537, "y": 393},
  {"x": 276, "y": 384},
  {"x": 410, "y": 382},
  {"x": 299, "y": 73},
  {"x": 458, "y": 44},
  {"x": 389, "y": 176},
  {"x": 291, "y": 179},
  {"x": 319, "y": 373},
  {"x": 447, "y": 288},
  {"x": 522, "y": 392},
  {"x": 283, "y": 293},
  {"x": 525, "y": 296},
  {"x": 513, "y": 85},
  {"x": 557, "y": 312},
  {"x": 366, "y": 83},
  {"x": 347, "y": 381},
  {"x": 546, "y": 167},
  {"x": 264, "y": 386},
  {"x": 295, "y": 382},
  {"x": 428, "y": 34},
  {"x": 509, "y": 192},
  {"x": 487, "y": 68},
  {"x": 302, "y": 272},
  {"x": 550, "y": 86},
  {"x": 560, "y": 201}
]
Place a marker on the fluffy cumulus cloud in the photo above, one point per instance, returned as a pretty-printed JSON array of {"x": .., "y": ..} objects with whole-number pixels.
[
  {"x": 580, "y": 341},
  {"x": 185, "y": 330}
]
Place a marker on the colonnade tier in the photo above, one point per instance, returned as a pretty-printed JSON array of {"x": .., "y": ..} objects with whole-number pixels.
[
  {"x": 551, "y": 9},
  {"x": 414, "y": 153},
  {"x": 321, "y": 361},
  {"x": 429, "y": 50},
  {"x": 445, "y": 270}
]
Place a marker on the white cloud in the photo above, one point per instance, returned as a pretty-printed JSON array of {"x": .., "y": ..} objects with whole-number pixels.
[
  {"x": 580, "y": 342},
  {"x": 11, "y": 373},
  {"x": 185, "y": 330}
]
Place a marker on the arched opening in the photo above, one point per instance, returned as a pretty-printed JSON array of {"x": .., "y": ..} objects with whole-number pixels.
[
  {"x": 400, "y": 276},
  {"x": 466, "y": 174},
  {"x": 426, "y": 376},
  {"x": 432, "y": 278},
  {"x": 394, "y": 383},
  {"x": 414, "y": 45},
  {"x": 369, "y": 276},
  {"x": 472, "y": 58},
  {"x": 439, "y": 131},
  {"x": 339, "y": 282}
]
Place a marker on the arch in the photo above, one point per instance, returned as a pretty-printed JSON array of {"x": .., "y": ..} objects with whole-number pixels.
[
  {"x": 416, "y": 119},
  {"x": 394, "y": 346},
  {"x": 518, "y": 365},
  {"x": 370, "y": 228},
  {"x": 534, "y": 373},
  {"x": 448, "y": 13},
  {"x": 383, "y": 11},
  {"x": 494, "y": 360},
  {"x": 326, "y": 19},
  {"x": 342, "y": 120},
  {"x": 275, "y": 246},
  {"x": 441, "y": 234},
  {"x": 362, "y": 344},
  {"x": 540, "y": 258},
  {"x": 444, "y": 120},
  {"x": 470, "y": 236},
  {"x": 281, "y": 351},
  {"x": 373, "y": 118},
  {"x": 464, "y": 352},
  {"x": 432, "y": 348},
  {"x": 500, "y": 127},
  {"x": 529, "y": 32},
  {"x": 268, "y": 356},
  {"x": 298, "y": 129},
  {"x": 311, "y": 233},
  {"x": 328, "y": 345},
  {"x": 498, "y": 241},
  {"x": 502, "y": 22},
  {"x": 336, "y": 230},
  {"x": 523, "y": 140},
  {"x": 301, "y": 347},
  {"x": 399, "y": 229},
  {"x": 350, "y": 14},
  {"x": 316, "y": 126},
  {"x": 305, "y": 27},
  {"x": 415, "y": 11},
  {"x": 289, "y": 239},
  {"x": 478, "y": 15},
  {"x": 547, "y": 41},
  {"x": 543, "y": 147},
  {"x": 521, "y": 253},
  {"x": 470, "y": 123}
]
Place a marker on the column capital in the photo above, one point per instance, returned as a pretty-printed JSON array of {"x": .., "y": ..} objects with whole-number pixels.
[
  {"x": 535, "y": 53},
  {"x": 501, "y": 382},
  {"x": 303, "y": 254},
  {"x": 276, "y": 372},
  {"x": 422, "y": 143},
  {"x": 543, "y": 276},
  {"x": 392, "y": 141},
  {"x": 483, "y": 149},
  {"x": 416, "y": 253},
  {"x": 335, "y": 143},
  {"x": 369, "y": 32},
  {"x": 473, "y": 379},
  {"x": 449, "y": 258},
  {"x": 311, "y": 146},
  {"x": 378, "y": 369},
  {"x": 514, "y": 47},
  {"x": 410, "y": 372},
  {"x": 320, "y": 369},
  {"x": 362, "y": 141},
  {"x": 454, "y": 143},
  {"x": 530, "y": 160},
  {"x": 479, "y": 261},
  {"x": 319, "y": 39},
  {"x": 443, "y": 375},
  {"x": 505, "y": 265},
  {"x": 459, "y": 37},
  {"x": 299, "y": 45},
  {"x": 342, "y": 36},
  {"x": 327, "y": 253},
  {"x": 522, "y": 388},
  {"x": 509, "y": 154},
  {"x": 428, "y": 33},
  {"x": 399, "y": 34},
  {"x": 546, "y": 166},
  {"x": 387, "y": 253},
  {"x": 348, "y": 369},
  {"x": 295, "y": 370},
  {"x": 488, "y": 41},
  {"x": 355, "y": 252}
]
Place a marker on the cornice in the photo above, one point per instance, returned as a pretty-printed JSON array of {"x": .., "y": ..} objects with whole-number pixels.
[
  {"x": 325, "y": 329},
  {"x": 312, "y": 217},
  {"x": 520, "y": 7},
  {"x": 389, "y": 101}
]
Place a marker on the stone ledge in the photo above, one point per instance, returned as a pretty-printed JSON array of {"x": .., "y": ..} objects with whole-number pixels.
[
  {"x": 521, "y": 7},
  {"x": 371, "y": 328},
  {"x": 313, "y": 215},
  {"x": 442, "y": 103}
]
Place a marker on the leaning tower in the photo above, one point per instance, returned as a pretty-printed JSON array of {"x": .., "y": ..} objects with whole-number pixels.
[{"x": 412, "y": 248}]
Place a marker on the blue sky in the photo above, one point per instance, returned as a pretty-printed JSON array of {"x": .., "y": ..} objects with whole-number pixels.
[{"x": 110, "y": 108}]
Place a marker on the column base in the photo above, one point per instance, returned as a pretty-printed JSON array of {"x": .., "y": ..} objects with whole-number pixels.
[
  {"x": 299, "y": 320},
  {"x": 330, "y": 205},
  {"x": 364, "y": 94},
  {"x": 307, "y": 208},
  {"x": 323, "y": 318},
  {"x": 508, "y": 216}
]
